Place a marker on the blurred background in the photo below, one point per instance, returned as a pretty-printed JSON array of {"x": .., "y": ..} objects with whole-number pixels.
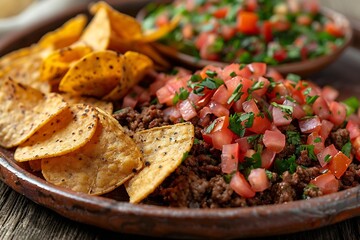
[{"x": 18, "y": 14}]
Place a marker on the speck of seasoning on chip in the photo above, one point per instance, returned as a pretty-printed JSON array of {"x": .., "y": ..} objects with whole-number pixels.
[
  {"x": 134, "y": 170},
  {"x": 147, "y": 163}
]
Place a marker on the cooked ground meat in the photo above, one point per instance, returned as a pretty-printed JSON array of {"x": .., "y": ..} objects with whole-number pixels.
[{"x": 199, "y": 182}]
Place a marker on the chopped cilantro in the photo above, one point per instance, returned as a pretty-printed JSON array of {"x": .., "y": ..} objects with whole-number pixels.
[
  {"x": 185, "y": 155},
  {"x": 248, "y": 118},
  {"x": 236, "y": 94},
  {"x": 308, "y": 188},
  {"x": 212, "y": 83},
  {"x": 293, "y": 137},
  {"x": 228, "y": 177},
  {"x": 233, "y": 74},
  {"x": 269, "y": 174},
  {"x": 312, "y": 99},
  {"x": 235, "y": 124},
  {"x": 284, "y": 108},
  {"x": 211, "y": 73},
  {"x": 253, "y": 138},
  {"x": 196, "y": 141},
  {"x": 310, "y": 150},
  {"x": 317, "y": 140},
  {"x": 293, "y": 77},
  {"x": 346, "y": 149},
  {"x": 210, "y": 127},
  {"x": 174, "y": 71},
  {"x": 251, "y": 162},
  {"x": 307, "y": 91},
  {"x": 289, "y": 164},
  {"x": 154, "y": 101},
  {"x": 195, "y": 78},
  {"x": 180, "y": 96},
  {"x": 256, "y": 86},
  {"x": 327, "y": 158},
  {"x": 351, "y": 104}
]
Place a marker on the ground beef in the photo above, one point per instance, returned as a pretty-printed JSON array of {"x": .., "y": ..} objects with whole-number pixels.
[{"x": 200, "y": 183}]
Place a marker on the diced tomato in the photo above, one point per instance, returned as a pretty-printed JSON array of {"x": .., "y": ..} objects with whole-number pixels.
[
  {"x": 247, "y": 22},
  {"x": 245, "y": 73},
  {"x": 316, "y": 140},
  {"x": 229, "y": 158},
  {"x": 251, "y": 5},
  {"x": 275, "y": 75},
  {"x": 280, "y": 118},
  {"x": 201, "y": 39},
  {"x": 304, "y": 20},
  {"x": 229, "y": 70},
  {"x": 267, "y": 158},
  {"x": 353, "y": 129},
  {"x": 221, "y": 12},
  {"x": 333, "y": 29},
  {"x": 130, "y": 101},
  {"x": 280, "y": 55},
  {"x": 279, "y": 90},
  {"x": 221, "y": 124},
  {"x": 326, "y": 127},
  {"x": 260, "y": 125},
  {"x": 258, "y": 69},
  {"x": 204, "y": 100},
  {"x": 239, "y": 184},
  {"x": 309, "y": 125},
  {"x": 187, "y": 110},
  {"x": 321, "y": 108},
  {"x": 187, "y": 31},
  {"x": 243, "y": 144},
  {"x": 327, "y": 183},
  {"x": 356, "y": 145},
  {"x": 204, "y": 112},
  {"x": 258, "y": 180},
  {"x": 250, "y": 106},
  {"x": 165, "y": 96},
  {"x": 162, "y": 20},
  {"x": 266, "y": 83},
  {"x": 274, "y": 140},
  {"x": 218, "y": 109},
  {"x": 339, "y": 164},
  {"x": 329, "y": 93},
  {"x": 206, "y": 50},
  {"x": 298, "y": 112},
  {"x": 311, "y": 6},
  {"x": 326, "y": 155},
  {"x": 227, "y": 32},
  {"x": 156, "y": 85},
  {"x": 338, "y": 112},
  {"x": 280, "y": 25},
  {"x": 173, "y": 113},
  {"x": 221, "y": 138},
  {"x": 221, "y": 95},
  {"x": 266, "y": 31}
]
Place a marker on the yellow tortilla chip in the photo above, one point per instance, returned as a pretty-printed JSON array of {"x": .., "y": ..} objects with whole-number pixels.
[
  {"x": 55, "y": 66},
  {"x": 163, "y": 150},
  {"x": 136, "y": 66},
  {"x": 124, "y": 26},
  {"x": 24, "y": 110},
  {"x": 24, "y": 66},
  {"x": 68, "y": 131},
  {"x": 66, "y": 35},
  {"x": 107, "y": 161},
  {"x": 96, "y": 74},
  {"x": 97, "y": 33},
  {"x": 104, "y": 105}
]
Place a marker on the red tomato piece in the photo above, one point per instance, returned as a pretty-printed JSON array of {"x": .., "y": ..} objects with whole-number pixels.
[
  {"x": 266, "y": 83},
  {"x": 162, "y": 20},
  {"x": 221, "y": 12},
  {"x": 267, "y": 158},
  {"x": 229, "y": 157},
  {"x": 221, "y": 124},
  {"x": 258, "y": 180},
  {"x": 266, "y": 31},
  {"x": 326, "y": 155},
  {"x": 321, "y": 108},
  {"x": 239, "y": 184},
  {"x": 201, "y": 39},
  {"x": 274, "y": 140},
  {"x": 326, "y": 127},
  {"x": 280, "y": 118},
  {"x": 206, "y": 50},
  {"x": 187, "y": 110},
  {"x": 329, "y": 93},
  {"x": 310, "y": 125},
  {"x": 250, "y": 106},
  {"x": 338, "y": 113},
  {"x": 247, "y": 22},
  {"x": 227, "y": 32},
  {"x": 187, "y": 31},
  {"x": 173, "y": 113},
  {"x": 332, "y": 29},
  {"x": 258, "y": 69},
  {"x": 339, "y": 164},
  {"x": 298, "y": 112},
  {"x": 221, "y": 138},
  {"x": 280, "y": 55},
  {"x": 221, "y": 95},
  {"x": 218, "y": 109},
  {"x": 316, "y": 140},
  {"x": 260, "y": 125},
  {"x": 327, "y": 183},
  {"x": 165, "y": 96},
  {"x": 353, "y": 129},
  {"x": 243, "y": 144}
]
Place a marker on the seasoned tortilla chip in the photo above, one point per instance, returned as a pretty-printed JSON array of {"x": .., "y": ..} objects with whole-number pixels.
[
  {"x": 24, "y": 66},
  {"x": 124, "y": 26},
  {"x": 104, "y": 105},
  {"x": 66, "y": 35},
  {"x": 107, "y": 161},
  {"x": 163, "y": 150},
  {"x": 67, "y": 132},
  {"x": 24, "y": 110},
  {"x": 55, "y": 66},
  {"x": 136, "y": 66},
  {"x": 96, "y": 74},
  {"x": 97, "y": 33}
]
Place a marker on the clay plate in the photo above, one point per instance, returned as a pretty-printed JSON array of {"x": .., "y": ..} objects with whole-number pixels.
[
  {"x": 112, "y": 212},
  {"x": 303, "y": 68}
]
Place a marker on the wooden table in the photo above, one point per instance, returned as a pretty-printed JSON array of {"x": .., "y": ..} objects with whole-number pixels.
[{"x": 20, "y": 218}]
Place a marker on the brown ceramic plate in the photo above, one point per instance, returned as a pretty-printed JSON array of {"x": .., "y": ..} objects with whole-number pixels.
[
  {"x": 112, "y": 212},
  {"x": 303, "y": 68}
]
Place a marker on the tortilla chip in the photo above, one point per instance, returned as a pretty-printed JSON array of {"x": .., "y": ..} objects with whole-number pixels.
[
  {"x": 24, "y": 66},
  {"x": 136, "y": 67},
  {"x": 104, "y": 105},
  {"x": 66, "y": 35},
  {"x": 96, "y": 74},
  {"x": 24, "y": 110},
  {"x": 55, "y": 66},
  {"x": 97, "y": 33},
  {"x": 124, "y": 26},
  {"x": 163, "y": 150},
  {"x": 65, "y": 133},
  {"x": 104, "y": 163}
]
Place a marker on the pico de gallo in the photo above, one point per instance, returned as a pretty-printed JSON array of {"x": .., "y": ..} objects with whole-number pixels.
[
  {"x": 274, "y": 32},
  {"x": 261, "y": 138}
]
